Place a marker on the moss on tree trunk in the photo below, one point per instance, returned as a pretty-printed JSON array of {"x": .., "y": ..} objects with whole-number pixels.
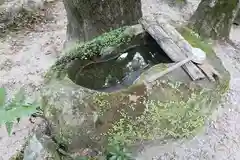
[
  {"x": 90, "y": 18},
  {"x": 214, "y": 18},
  {"x": 237, "y": 18}
]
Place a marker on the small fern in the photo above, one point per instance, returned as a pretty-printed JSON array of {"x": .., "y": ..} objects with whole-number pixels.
[{"x": 14, "y": 109}]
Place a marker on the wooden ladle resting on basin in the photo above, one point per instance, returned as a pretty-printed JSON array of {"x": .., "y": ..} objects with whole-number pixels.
[{"x": 198, "y": 57}]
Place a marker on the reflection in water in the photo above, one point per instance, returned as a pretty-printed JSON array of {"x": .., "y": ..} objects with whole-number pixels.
[{"x": 122, "y": 71}]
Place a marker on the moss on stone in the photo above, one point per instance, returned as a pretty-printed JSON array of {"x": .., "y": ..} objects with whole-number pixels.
[
  {"x": 213, "y": 19},
  {"x": 111, "y": 106},
  {"x": 168, "y": 110},
  {"x": 165, "y": 110},
  {"x": 102, "y": 101},
  {"x": 180, "y": 117},
  {"x": 223, "y": 86},
  {"x": 196, "y": 41},
  {"x": 89, "y": 50},
  {"x": 172, "y": 109}
]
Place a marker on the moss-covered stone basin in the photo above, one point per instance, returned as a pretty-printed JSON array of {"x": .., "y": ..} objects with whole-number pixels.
[
  {"x": 116, "y": 72},
  {"x": 82, "y": 116}
]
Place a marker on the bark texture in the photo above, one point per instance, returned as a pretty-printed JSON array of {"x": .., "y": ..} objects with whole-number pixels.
[
  {"x": 90, "y": 18},
  {"x": 237, "y": 18},
  {"x": 213, "y": 18}
]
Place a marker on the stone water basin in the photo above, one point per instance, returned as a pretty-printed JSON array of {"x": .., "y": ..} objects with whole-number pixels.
[
  {"x": 90, "y": 97},
  {"x": 119, "y": 72}
]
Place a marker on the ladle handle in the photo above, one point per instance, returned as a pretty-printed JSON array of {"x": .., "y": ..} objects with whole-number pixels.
[{"x": 170, "y": 69}]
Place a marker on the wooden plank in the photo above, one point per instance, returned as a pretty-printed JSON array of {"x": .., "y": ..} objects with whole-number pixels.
[
  {"x": 168, "y": 70},
  {"x": 186, "y": 48},
  {"x": 176, "y": 36},
  {"x": 162, "y": 39},
  {"x": 209, "y": 71},
  {"x": 168, "y": 44},
  {"x": 193, "y": 71}
]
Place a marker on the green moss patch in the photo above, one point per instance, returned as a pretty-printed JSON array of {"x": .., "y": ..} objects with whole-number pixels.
[
  {"x": 137, "y": 114},
  {"x": 111, "y": 107},
  {"x": 173, "y": 109},
  {"x": 166, "y": 109},
  {"x": 178, "y": 117},
  {"x": 89, "y": 50},
  {"x": 196, "y": 41}
]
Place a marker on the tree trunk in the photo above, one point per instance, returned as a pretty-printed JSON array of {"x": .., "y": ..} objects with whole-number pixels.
[
  {"x": 214, "y": 18},
  {"x": 90, "y": 18},
  {"x": 237, "y": 18}
]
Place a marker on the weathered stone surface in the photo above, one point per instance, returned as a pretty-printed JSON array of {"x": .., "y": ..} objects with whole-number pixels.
[
  {"x": 119, "y": 39},
  {"x": 69, "y": 110},
  {"x": 173, "y": 106},
  {"x": 237, "y": 18},
  {"x": 41, "y": 147}
]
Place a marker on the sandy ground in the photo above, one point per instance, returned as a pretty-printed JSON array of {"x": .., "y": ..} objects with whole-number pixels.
[{"x": 25, "y": 57}]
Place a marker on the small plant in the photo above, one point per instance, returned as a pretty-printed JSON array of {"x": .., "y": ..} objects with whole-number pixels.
[
  {"x": 14, "y": 109},
  {"x": 116, "y": 151},
  {"x": 89, "y": 50}
]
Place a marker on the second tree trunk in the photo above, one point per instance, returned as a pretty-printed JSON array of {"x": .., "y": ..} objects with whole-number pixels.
[
  {"x": 214, "y": 18},
  {"x": 90, "y": 18}
]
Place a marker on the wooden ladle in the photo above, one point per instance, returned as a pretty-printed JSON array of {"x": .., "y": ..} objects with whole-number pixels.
[{"x": 198, "y": 57}]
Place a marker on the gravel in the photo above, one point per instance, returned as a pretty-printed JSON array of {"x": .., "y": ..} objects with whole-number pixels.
[{"x": 24, "y": 58}]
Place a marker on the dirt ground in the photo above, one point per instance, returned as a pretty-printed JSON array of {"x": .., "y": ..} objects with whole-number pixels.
[
  {"x": 24, "y": 58},
  {"x": 26, "y": 55}
]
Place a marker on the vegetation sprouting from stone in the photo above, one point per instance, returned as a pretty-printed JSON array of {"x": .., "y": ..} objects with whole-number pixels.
[
  {"x": 114, "y": 151},
  {"x": 91, "y": 49},
  {"x": 175, "y": 119},
  {"x": 199, "y": 42},
  {"x": 196, "y": 41}
]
